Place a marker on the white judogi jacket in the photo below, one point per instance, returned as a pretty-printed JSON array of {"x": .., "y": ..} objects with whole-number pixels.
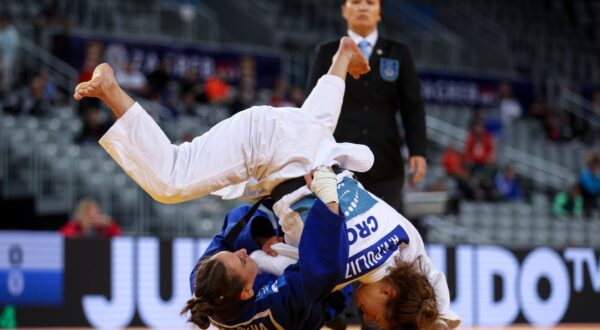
[
  {"x": 377, "y": 236},
  {"x": 246, "y": 156}
]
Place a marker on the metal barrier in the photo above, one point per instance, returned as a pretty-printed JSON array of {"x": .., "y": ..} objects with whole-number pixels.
[
  {"x": 16, "y": 155},
  {"x": 35, "y": 57},
  {"x": 488, "y": 38},
  {"x": 578, "y": 106},
  {"x": 429, "y": 41},
  {"x": 559, "y": 93},
  {"x": 144, "y": 18}
]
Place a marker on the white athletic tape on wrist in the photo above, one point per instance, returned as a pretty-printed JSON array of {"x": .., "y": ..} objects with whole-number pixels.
[{"x": 324, "y": 185}]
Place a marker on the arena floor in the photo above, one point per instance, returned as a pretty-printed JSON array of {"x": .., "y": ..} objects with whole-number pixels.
[
  {"x": 525, "y": 327},
  {"x": 517, "y": 327}
]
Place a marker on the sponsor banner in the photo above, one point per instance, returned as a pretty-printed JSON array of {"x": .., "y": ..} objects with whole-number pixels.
[
  {"x": 128, "y": 282},
  {"x": 494, "y": 286},
  {"x": 471, "y": 90},
  {"x": 31, "y": 268},
  {"x": 146, "y": 56}
]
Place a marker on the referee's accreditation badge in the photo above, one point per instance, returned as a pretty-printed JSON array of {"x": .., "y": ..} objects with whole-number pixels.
[{"x": 389, "y": 69}]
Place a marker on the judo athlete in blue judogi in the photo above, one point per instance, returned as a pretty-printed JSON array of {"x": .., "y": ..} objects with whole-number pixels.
[{"x": 300, "y": 298}]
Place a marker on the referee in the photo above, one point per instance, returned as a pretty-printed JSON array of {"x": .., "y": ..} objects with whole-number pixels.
[{"x": 371, "y": 102}]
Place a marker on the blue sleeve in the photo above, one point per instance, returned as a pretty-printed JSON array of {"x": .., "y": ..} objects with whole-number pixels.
[
  {"x": 323, "y": 252},
  {"x": 295, "y": 298}
]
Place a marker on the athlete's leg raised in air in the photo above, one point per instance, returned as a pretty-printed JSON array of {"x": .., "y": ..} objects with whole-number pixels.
[{"x": 237, "y": 149}]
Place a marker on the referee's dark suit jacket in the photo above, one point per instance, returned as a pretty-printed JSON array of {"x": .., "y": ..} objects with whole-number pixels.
[{"x": 370, "y": 105}]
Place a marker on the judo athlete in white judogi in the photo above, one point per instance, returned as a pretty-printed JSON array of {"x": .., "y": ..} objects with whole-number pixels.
[{"x": 249, "y": 154}]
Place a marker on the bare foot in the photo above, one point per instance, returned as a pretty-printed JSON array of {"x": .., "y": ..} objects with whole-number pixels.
[
  {"x": 359, "y": 64},
  {"x": 102, "y": 82}
]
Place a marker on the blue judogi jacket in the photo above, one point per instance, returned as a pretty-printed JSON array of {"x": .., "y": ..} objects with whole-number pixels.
[{"x": 297, "y": 299}]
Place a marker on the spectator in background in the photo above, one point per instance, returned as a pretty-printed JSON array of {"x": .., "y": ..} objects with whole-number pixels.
[
  {"x": 559, "y": 126},
  {"x": 480, "y": 156},
  {"x": 190, "y": 83},
  {"x": 596, "y": 102},
  {"x": 297, "y": 96},
  {"x": 510, "y": 108},
  {"x": 90, "y": 222},
  {"x": 94, "y": 126},
  {"x": 480, "y": 150},
  {"x": 93, "y": 57},
  {"x": 158, "y": 80},
  {"x": 454, "y": 165},
  {"x": 39, "y": 96},
  {"x": 218, "y": 91},
  {"x": 131, "y": 79},
  {"x": 247, "y": 89},
  {"x": 568, "y": 204},
  {"x": 188, "y": 106},
  {"x": 589, "y": 180},
  {"x": 539, "y": 110},
  {"x": 9, "y": 45},
  {"x": 476, "y": 116},
  {"x": 247, "y": 94},
  {"x": 507, "y": 185},
  {"x": 453, "y": 161},
  {"x": 372, "y": 102},
  {"x": 279, "y": 94}
]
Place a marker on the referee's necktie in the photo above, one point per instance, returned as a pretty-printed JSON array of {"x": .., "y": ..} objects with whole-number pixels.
[{"x": 363, "y": 45}]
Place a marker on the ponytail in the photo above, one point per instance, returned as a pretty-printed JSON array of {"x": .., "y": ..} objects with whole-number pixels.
[
  {"x": 200, "y": 312},
  {"x": 216, "y": 294}
]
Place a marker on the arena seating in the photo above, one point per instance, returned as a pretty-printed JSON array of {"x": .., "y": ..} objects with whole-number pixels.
[{"x": 40, "y": 160}]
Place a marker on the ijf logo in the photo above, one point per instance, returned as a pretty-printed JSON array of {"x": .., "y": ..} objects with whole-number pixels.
[{"x": 389, "y": 69}]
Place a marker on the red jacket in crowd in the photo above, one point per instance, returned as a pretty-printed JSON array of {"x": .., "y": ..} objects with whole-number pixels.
[
  {"x": 480, "y": 149},
  {"x": 73, "y": 229}
]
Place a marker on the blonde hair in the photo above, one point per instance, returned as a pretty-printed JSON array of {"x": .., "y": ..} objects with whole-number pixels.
[{"x": 83, "y": 206}]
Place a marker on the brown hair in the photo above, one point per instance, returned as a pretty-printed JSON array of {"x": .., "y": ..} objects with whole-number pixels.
[
  {"x": 216, "y": 294},
  {"x": 415, "y": 305}
]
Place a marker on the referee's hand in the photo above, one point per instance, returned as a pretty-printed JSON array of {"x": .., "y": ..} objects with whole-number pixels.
[{"x": 417, "y": 167}]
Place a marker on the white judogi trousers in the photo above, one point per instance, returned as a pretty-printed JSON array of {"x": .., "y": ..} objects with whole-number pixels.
[{"x": 254, "y": 150}]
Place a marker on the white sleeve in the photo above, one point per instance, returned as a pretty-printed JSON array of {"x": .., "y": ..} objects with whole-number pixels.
[
  {"x": 273, "y": 265},
  {"x": 325, "y": 100},
  {"x": 416, "y": 249},
  {"x": 173, "y": 174},
  {"x": 287, "y": 250}
]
